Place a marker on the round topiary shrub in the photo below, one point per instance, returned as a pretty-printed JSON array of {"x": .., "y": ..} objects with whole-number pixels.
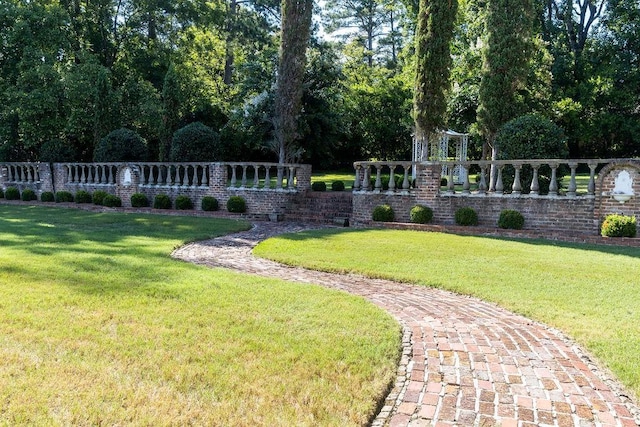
[
  {"x": 615, "y": 225},
  {"x": 443, "y": 182},
  {"x": 83, "y": 197},
  {"x": 57, "y": 151},
  {"x": 466, "y": 216},
  {"x": 184, "y": 203},
  {"x": 12, "y": 193},
  {"x": 511, "y": 219},
  {"x": 98, "y": 197},
  {"x": 47, "y": 196},
  {"x": 161, "y": 201},
  {"x": 337, "y": 186},
  {"x": 236, "y": 204},
  {"x": 112, "y": 201},
  {"x": 195, "y": 143},
  {"x": 139, "y": 200},
  {"x": 319, "y": 186},
  {"x": 210, "y": 203},
  {"x": 421, "y": 214},
  {"x": 121, "y": 145},
  {"x": 28, "y": 195},
  {"x": 383, "y": 213},
  {"x": 64, "y": 197}
]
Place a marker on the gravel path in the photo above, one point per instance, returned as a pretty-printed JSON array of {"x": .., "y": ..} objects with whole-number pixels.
[{"x": 465, "y": 362}]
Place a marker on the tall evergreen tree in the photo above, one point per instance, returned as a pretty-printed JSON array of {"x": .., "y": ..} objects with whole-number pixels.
[
  {"x": 509, "y": 26},
  {"x": 295, "y": 33},
  {"x": 433, "y": 65},
  {"x": 170, "y": 111}
]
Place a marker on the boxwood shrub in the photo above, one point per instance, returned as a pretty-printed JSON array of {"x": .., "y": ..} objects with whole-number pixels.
[
  {"x": 64, "y": 197},
  {"x": 98, "y": 197},
  {"x": 112, "y": 201},
  {"x": 83, "y": 197},
  {"x": 337, "y": 186},
  {"x": 236, "y": 204},
  {"x": 210, "y": 203},
  {"x": 183, "y": 203},
  {"x": 47, "y": 196},
  {"x": 1, "y": 193},
  {"x": 139, "y": 200},
  {"x": 466, "y": 216},
  {"x": 161, "y": 201},
  {"x": 615, "y": 225},
  {"x": 319, "y": 186},
  {"x": 421, "y": 214},
  {"x": 383, "y": 213},
  {"x": 12, "y": 193},
  {"x": 511, "y": 219},
  {"x": 28, "y": 195}
]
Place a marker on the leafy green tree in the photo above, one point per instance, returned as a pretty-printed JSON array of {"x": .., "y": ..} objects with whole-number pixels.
[{"x": 171, "y": 111}]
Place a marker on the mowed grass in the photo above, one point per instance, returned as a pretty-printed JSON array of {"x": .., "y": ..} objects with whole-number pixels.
[
  {"x": 99, "y": 326},
  {"x": 592, "y": 293}
]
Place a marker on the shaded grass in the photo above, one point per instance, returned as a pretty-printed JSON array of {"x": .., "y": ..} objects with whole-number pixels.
[
  {"x": 98, "y": 326},
  {"x": 589, "y": 292}
]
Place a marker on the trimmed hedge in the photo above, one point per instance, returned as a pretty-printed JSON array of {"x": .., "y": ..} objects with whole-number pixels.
[
  {"x": 139, "y": 200},
  {"x": 83, "y": 197},
  {"x": 319, "y": 186},
  {"x": 421, "y": 214},
  {"x": 210, "y": 204},
  {"x": 64, "y": 197},
  {"x": 47, "y": 196},
  {"x": 162, "y": 201},
  {"x": 112, "y": 201},
  {"x": 12, "y": 193},
  {"x": 337, "y": 186},
  {"x": 28, "y": 195},
  {"x": 615, "y": 225},
  {"x": 184, "y": 203},
  {"x": 383, "y": 213},
  {"x": 466, "y": 216},
  {"x": 236, "y": 204},
  {"x": 511, "y": 219},
  {"x": 98, "y": 197}
]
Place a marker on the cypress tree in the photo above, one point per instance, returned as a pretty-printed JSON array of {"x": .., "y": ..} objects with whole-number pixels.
[
  {"x": 433, "y": 64},
  {"x": 509, "y": 43},
  {"x": 295, "y": 33},
  {"x": 170, "y": 111}
]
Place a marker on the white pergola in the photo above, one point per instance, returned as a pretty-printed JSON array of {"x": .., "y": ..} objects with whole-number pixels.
[{"x": 438, "y": 151}]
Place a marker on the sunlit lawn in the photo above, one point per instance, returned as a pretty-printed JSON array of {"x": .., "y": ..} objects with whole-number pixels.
[
  {"x": 591, "y": 293},
  {"x": 99, "y": 326}
]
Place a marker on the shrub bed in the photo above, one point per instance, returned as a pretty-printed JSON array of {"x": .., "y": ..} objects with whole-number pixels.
[
  {"x": 615, "y": 225},
  {"x": 139, "y": 200},
  {"x": 83, "y": 197},
  {"x": 64, "y": 197},
  {"x": 98, "y": 197},
  {"x": 12, "y": 193},
  {"x": 184, "y": 203},
  {"x": 162, "y": 201},
  {"x": 466, "y": 216},
  {"x": 236, "y": 204},
  {"x": 421, "y": 214},
  {"x": 28, "y": 195},
  {"x": 210, "y": 203},
  {"x": 511, "y": 219},
  {"x": 383, "y": 213}
]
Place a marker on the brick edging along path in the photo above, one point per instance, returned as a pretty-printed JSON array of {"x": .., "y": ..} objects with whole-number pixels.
[{"x": 465, "y": 362}]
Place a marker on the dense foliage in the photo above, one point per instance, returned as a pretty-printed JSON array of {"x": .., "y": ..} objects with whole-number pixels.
[
  {"x": 511, "y": 219},
  {"x": 383, "y": 213},
  {"x": 236, "y": 204},
  {"x": 466, "y": 216},
  {"x": 615, "y": 225},
  {"x": 73, "y": 72},
  {"x": 195, "y": 142},
  {"x": 421, "y": 214},
  {"x": 120, "y": 145}
]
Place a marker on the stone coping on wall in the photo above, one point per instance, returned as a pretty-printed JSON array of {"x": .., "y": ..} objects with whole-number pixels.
[{"x": 558, "y": 235}]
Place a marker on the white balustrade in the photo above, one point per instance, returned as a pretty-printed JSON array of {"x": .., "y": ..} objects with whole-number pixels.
[
  {"x": 259, "y": 176},
  {"x": 22, "y": 172},
  {"x": 390, "y": 177}
]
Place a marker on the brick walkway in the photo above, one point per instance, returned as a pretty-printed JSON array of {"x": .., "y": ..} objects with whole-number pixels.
[{"x": 465, "y": 362}]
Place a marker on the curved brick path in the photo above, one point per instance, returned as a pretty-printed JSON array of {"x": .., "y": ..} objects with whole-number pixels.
[{"x": 465, "y": 362}]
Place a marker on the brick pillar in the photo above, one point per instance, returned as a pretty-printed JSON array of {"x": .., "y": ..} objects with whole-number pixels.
[
  {"x": 127, "y": 183},
  {"x": 218, "y": 180},
  {"x": 427, "y": 182},
  {"x": 46, "y": 177},
  {"x": 303, "y": 175}
]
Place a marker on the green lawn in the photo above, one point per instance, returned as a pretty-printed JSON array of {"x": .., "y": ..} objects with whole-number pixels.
[
  {"x": 590, "y": 292},
  {"x": 99, "y": 326}
]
